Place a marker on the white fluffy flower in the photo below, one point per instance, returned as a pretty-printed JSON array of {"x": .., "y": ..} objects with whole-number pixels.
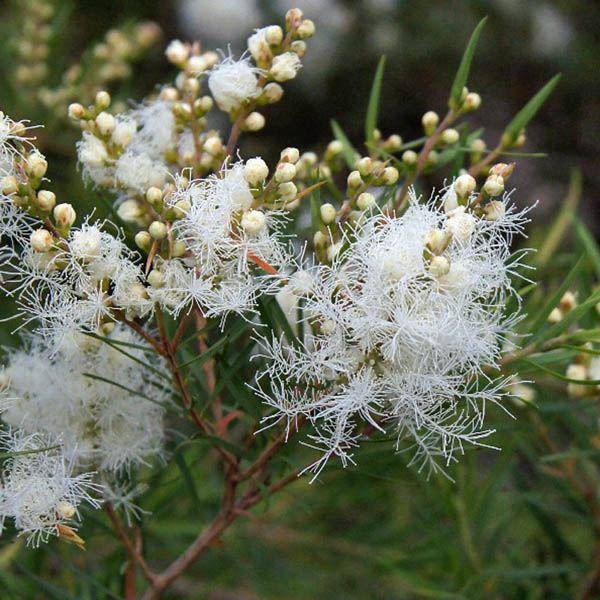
[
  {"x": 391, "y": 342},
  {"x": 233, "y": 82},
  {"x": 39, "y": 490},
  {"x": 285, "y": 66}
]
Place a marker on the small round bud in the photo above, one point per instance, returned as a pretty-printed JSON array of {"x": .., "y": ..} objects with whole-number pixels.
[
  {"x": 213, "y": 145},
  {"x": 285, "y": 66},
  {"x": 409, "y": 158},
  {"x": 36, "y": 164},
  {"x": 158, "y": 230},
  {"x": 450, "y": 136},
  {"x": 393, "y": 143},
  {"x": 439, "y": 266},
  {"x": 328, "y": 213},
  {"x": 290, "y": 155},
  {"x": 179, "y": 248},
  {"x": 287, "y": 191},
  {"x": 472, "y": 101},
  {"x": 293, "y": 17},
  {"x": 365, "y": 166},
  {"x": 254, "y": 122},
  {"x": 306, "y": 29},
  {"x": 65, "y": 510},
  {"x": 274, "y": 35},
  {"x": 46, "y": 200},
  {"x": 177, "y": 52},
  {"x": 124, "y": 132},
  {"x": 285, "y": 172},
  {"x": 390, "y": 175},
  {"x": 106, "y": 123},
  {"x": 64, "y": 215},
  {"x": 253, "y": 222},
  {"x": 76, "y": 111},
  {"x": 501, "y": 169},
  {"x": 365, "y": 201},
  {"x": 169, "y": 94},
  {"x": 272, "y": 92},
  {"x": 430, "y": 121},
  {"x": 464, "y": 185},
  {"x": 191, "y": 86},
  {"x": 568, "y": 302},
  {"x": 156, "y": 279},
  {"x": 435, "y": 240},
  {"x": 320, "y": 240},
  {"x": 154, "y": 195},
  {"x": 255, "y": 171},
  {"x": 494, "y": 185},
  {"x": 181, "y": 208},
  {"x": 555, "y": 316},
  {"x": 298, "y": 47},
  {"x": 520, "y": 141},
  {"x": 129, "y": 211},
  {"x": 102, "y": 100},
  {"x": 41, "y": 240},
  {"x": 8, "y": 185},
  {"x": 478, "y": 145},
  {"x": 143, "y": 240},
  {"x": 354, "y": 179},
  {"x": 333, "y": 149},
  {"x": 494, "y": 210},
  {"x": 578, "y": 373}
]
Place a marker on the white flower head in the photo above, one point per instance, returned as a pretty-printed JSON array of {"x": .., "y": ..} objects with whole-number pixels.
[{"x": 233, "y": 82}]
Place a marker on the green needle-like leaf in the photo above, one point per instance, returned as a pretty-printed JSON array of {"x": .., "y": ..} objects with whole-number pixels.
[{"x": 374, "y": 97}]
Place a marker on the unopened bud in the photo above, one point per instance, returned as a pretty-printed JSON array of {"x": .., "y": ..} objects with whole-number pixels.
[
  {"x": 306, "y": 29},
  {"x": 568, "y": 302},
  {"x": 213, "y": 145},
  {"x": 290, "y": 155},
  {"x": 254, "y": 122},
  {"x": 285, "y": 172},
  {"x": 555, "y": 316},
  {"x": 393, "y": 143},
  {"x": 272, "y": 92},
  {"x": 494, "y": 210},
  {"x": 494, "y": 185},
  {"x": 274, "y": 35},
  {"x": 106, "y": 123},
  {"x": 430, "y": 121},
  {"x": 158, "y": 230},
  {"x": 409, "y": 158},
  {"x": 390, "y": 176},
  {"x": 435, "y": 240},
  {"x": 365, "y": 201},
  {"x": 287, "y": 191},
  {"x": 177, "y": 52},
  {"x": 154, "y": 195},
  {"x": 365, "y": 166},
  {"x": 354, "y": 179},
  {"x": 439, "y": 266},
  {"x": 76, "y": 111},
  {"x": 143, "y": 240},
  {"x": 46, "y": 200},
  {"x": 450, "y": 136},
  {"x": 65, "y": 510},
  {"x": 333, "y": 149},
  {"x": 179, "y": 248},
  {"x": 328, "y": 213},
  {"x": 320, "y": 240},
  {"x": 472, "y": 101},
  {"x": 464, "y": 185},
  {"x": 36, "y": 165},
  {"x": 255, "y": 171},
  {"x": 253, "y": 222},
  {"x": 64, "y": 215},
  {"x": 156, "y": 279},
  {"x": 8, "y": 185},
  {"x": 102, "y": 100}
]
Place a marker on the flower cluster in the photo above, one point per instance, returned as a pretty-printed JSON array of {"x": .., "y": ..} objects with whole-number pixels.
[{"x": 397, "y": 330}]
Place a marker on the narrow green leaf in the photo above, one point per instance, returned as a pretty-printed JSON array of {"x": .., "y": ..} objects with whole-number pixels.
[
  {"x": 5, "y": 455},
  {"x": 460, "y": 80},
  {"x": 187, "y": 476},
  {"x": 200, "y": 359},
  {"x": 589, "y": 243},
  {"x": 558, "y": 375},
  {"x": 514, "y": 128},
  {"x": 348, "y": 151},
  {"x": 374, "y": 97}
]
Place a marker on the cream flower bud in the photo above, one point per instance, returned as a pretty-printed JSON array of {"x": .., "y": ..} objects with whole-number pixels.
[
  {"x": 76, "y": 111},
  {"x": 129, "y": 211},
  {"x": 501, "y": 169},
  {"x": 430, "y": 121},
  {"x": 354, "y": 179},
  {"x": 472, "y": 101},
  {"x": 450, "y": 136},
  {"x": 64, "y": 215},
  {"x": 143, "y": 240},
  {"x": 106, "y": 123},
  {"x": 393, "y": 143},
  {"x": 102, "y": 100},
  {"x": 36, "y": 164},
  {"x": 93, "y": 152},
  {"x": 181, "y": 208},
  {"x": 390, "y": 175},
  {"x": 156, "y": 279},
  {"x": 253, "y": 222},
  {"x": 179, "y": 248},
  {"x": 435, "y": 240},
  {"x": 8, "y": 185},
  {"x": 334, "y": 250},
  {"x": 86, "y": 243},
  {"x": 578, "y": 373},
  {"x": 158, "y": 230},
  {"x": 254, "y": 121},
  {"x": 409, "y": 157},
  {"x": 568, "y": 302},
  {"x": 196, "y": 65},
  {"x": 285, "y": 66},
  {"x": 274, "y": 35},
  {"x": 213, "y": 145},
  {"x": 41, "y": 240},
  {"x": 320, "y": 240},
  {"x": 365, "y": 201},
  {"x": 177, "y": 52},
  {"x": 298, "y": 47},
  {"x": 306, "y": 29},
  {"x": 272, "y": 92},
  {"x": 290, "y": 155},
  {"x": 285, "y": 172},
  {"x": 555, "y": 316},
  {"x": 154, "y": 195},
  {"x": 46, "y": 200},
  {"x": 334, "y": 148},
  {"x": 460, "y": 224},
  {"x": 328, "y": 213},
  {"x": 494, "y": 185},
  {"x": 65, "y": 510},
  {"x": 439, "y": 266},
  {"x": 365, "y": 166},
  {"x": 494, "y": 210},
  {"x": 464, "y": 185},
  {"x": 255, "y": 171},
  {"x": 287, "y": 191},
  {"x": 124, "y": 132}
]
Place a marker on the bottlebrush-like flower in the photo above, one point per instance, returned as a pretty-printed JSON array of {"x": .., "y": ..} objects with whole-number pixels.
[
  {"x": 394, "y": 343},
  {"x": 233, "y": 82}
]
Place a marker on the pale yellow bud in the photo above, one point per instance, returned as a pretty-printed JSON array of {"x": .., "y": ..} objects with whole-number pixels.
[
  {"x": 472, "y": 101},
  {"x": 568, "y": 302},
  {"x": 102, "y": 100},
  {"x": 409, "y": 158},
  {"x": 435, "y": 240},
  {"x": 253, "y": 222},
  {"x": 156, "y": 279},
  {"x": 254, "y": 122},
  {"x": 9, "y": 185},
  {"x": 333, "y": 149},
  {"x": 285, "y": 172},
  {"x": 390, "y": 175},
  {"x": 154, "y": 195},
  {"x": 365, "y": 201},
  {"x": 306, "y": 29},
  {"x": 555, "y": 316},
  {"x": 143, "y": 240},
  {"x": 494, "y": 185},
  {"x": 430, "y": 121},
  {"x": 272, "y": 92},
  {"x": 365, "y": 166},
  {"x": 177, "y": 52},
  {"x": 106, "y": 123},
  {"x": 393, "y": 143},
  {"x": 450, "y": 136},
  {"x": 158, "y": 230},
  {"x": 36, "y": 164},
  {"x": 328, "y": 213},
  {"x": 65, "y": 510},
  {"x": 179, "y": 248},
  {"x": 494, "y": 210},
  {"x": 64, "y": 215},
  {"x": 76, "y": 111},
  {"x": 464, "y": 185},
  {"x": 290, "y": 155},
  {"x": 213, "y": 145},
  {"x": 320, "y": 240},
  {"x": 439, "y": 266},
  {"x": 46, "y": 200},
  {"x": 287, "y": 191},
  {"x": 354, "y": 179},
  {"x": 274, "y": 35},
  {"x": 255, "y": 171}
]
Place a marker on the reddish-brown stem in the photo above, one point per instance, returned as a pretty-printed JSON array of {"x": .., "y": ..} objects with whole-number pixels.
[
  {"x": 134, "y": 554},
  {"x": 143, "y": 333},
  {"x": 422, "y": 160},
  {"x": 478, "y": 167}
]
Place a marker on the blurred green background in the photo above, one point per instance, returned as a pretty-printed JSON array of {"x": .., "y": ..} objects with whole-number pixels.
[{"x": 509, "y": 526}]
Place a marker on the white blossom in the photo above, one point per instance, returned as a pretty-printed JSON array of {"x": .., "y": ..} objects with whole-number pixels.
[{"x": 233, "y": 82}]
